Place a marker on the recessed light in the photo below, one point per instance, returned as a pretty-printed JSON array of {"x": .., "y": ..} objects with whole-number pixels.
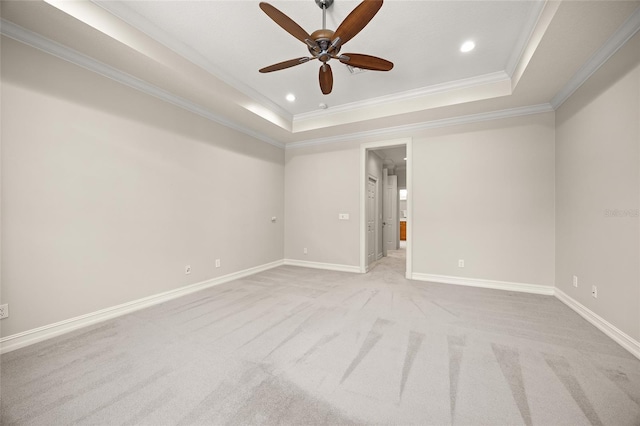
[
  {"x": 323, "y": 106},
  {"x": 467, "y": 46},
  {"x": 291, "y": 97}
]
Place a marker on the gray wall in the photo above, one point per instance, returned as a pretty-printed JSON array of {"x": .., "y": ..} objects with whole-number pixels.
[
  {"x": 598, "y": 163},
  {"x": 485, "y": 193},
  {"x": 320, "y": 184},
  {"x": 109, "y": 193},
  {"x": 481, "y": 192}
]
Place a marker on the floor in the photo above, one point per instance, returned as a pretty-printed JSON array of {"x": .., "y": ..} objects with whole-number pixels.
[{"x": 302, "y": 346}]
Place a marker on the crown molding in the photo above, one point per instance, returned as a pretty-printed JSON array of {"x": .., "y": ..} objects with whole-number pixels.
[
  {"x": 538, "y": 22},
  {"x": 613, "y": 44},
  {"x": 142, "y": 24},
  {"x": 445, "y": 122},
  {"x": 526, "y": 36},
  {"x": 58, "y": 50},
  {"x": 602, "y": 55},
  {"x": 409, "y": 95}
]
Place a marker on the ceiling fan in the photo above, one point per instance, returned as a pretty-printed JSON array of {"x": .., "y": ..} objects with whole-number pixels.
[{"x": 325, "y": 44}]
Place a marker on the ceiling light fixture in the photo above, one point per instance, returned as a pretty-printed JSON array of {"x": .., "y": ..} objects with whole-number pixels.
[
  {"x": 325, "y": 44},
  {"x": 291, "y": 97},
  {"x": 467, "y": 46}
]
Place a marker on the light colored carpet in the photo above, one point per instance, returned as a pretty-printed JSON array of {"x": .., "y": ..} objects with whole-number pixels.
[{"x": 302, "y": 346}]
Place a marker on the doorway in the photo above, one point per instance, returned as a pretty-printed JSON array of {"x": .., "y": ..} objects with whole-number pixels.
[{"x": 387, "y": 209}]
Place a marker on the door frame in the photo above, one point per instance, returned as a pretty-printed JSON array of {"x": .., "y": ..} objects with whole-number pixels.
[
  {"x": 394, "y": 213},
  {"x": 376, "y": 220},
  {"x": 364, "y": 177}
]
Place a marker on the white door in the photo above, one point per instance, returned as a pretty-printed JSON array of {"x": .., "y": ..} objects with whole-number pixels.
[
  {"x": 371, "y": 221},
  {"x": 390, "y": 214}
]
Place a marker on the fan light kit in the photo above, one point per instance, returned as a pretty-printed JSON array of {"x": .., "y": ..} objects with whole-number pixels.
[{"x": 325, "y": 44}]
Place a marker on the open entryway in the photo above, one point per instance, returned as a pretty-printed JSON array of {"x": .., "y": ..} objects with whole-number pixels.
[{"x": 385, "y": 217}]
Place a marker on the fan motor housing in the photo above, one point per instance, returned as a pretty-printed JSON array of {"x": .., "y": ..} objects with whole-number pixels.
[{"x": 323, "y": 38}]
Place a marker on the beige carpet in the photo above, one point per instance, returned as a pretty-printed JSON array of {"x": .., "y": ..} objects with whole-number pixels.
[{"x": 303, "y": 346}]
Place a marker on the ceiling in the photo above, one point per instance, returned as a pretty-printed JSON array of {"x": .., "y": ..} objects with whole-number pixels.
[
  {"x": 205, "y": 55},
  {"x": 235, "y": 39}
]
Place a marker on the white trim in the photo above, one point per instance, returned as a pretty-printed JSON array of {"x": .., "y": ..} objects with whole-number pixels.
[
  {"x": 409, "y": 218},
  {"x": 378, "y": 236},
  {"x": 613, "y": 44},
  {"x": 476, "y": 282},
  {"x": 525, "y": 38},
  {"x": 445, "y": 122},
  {"x": 603, "y": 325},
  {"x": 320, "y": 265},
  {"x": 142, "y": 24},
  {"x": 29, "y": 337},
  {"x": 466, "y": 83},
  {"x": 51, "y": 47},
  {"x": 545, "y": 18}
]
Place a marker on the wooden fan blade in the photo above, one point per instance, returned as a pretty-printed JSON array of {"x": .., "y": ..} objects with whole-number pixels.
[
  {"x": 285, "y": 22},
  {"x": 326, "y": 79},
  {"x": 286, "y": 64},
  {"x": 357, "y": 20},
  {"x": 366, "y": 62}
]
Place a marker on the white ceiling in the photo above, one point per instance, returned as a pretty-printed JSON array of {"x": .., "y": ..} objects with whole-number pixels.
[
  {"x": 234, "y": 39},
  {"x": 204, "y": 56}
]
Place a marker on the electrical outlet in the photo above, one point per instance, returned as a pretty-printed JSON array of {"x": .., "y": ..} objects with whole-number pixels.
[
  {"x": 4, "y": 310},
  {"x": 575, "y": 281},
  {"x": 217, "y": 263},
  {"x": 304, "y": 250},
  {"x": 343, "y": 216},
  {"x": 594, "y": 291},
  {"x": 461, "y": 263},
  {"x": 187, "y": 269}
]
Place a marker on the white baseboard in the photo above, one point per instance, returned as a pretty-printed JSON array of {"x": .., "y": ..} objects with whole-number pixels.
[
  {"x": 320, "y": 265},
  {"x": 475, "y": 282},
  {"x": 29, "y": 337},
  {"x": 603, "y": 325}
]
